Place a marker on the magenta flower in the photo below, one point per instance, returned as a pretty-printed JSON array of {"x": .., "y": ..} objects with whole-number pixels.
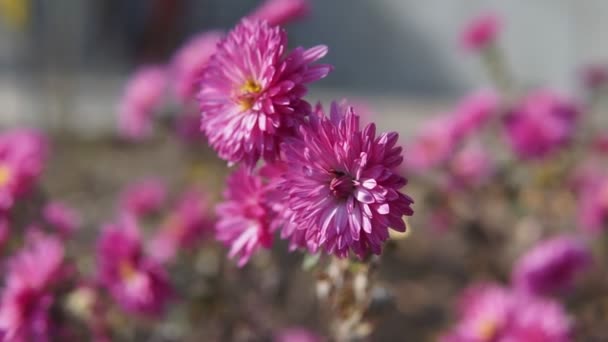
[
  {"x": 474, "y": 112},
  {"x": 189, "y": 62},
  {"x": 551, "y": 266},
  {"x": 138, "y": 283},
  {"x": 251, "y": 95},
  {"x": 23, "y": 155},
  {"x": 184, "y": 227},
  {"x": 281, "y": 12},
  {"x": 342, "y": 183},
  {"x": 540, "y": 125},
  {"x": 143, "y": 197},
  {"x": 245, "y": 218},
  {"x": 61, "y": 217},
  {"x": 471, "y": 166},
  {"x": 27, "y": 296},
  {"x": 481, "y": 32},
  {"x": 296, "y": 334},
  {"x": 433, "y": 145},
  {"x": 143, "y": 95},
  {"x": 489, "y": 313}
]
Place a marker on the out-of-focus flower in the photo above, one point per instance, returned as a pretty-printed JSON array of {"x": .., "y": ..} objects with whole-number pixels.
[
  {"x": 551, "y": 266},
  {"x": 61, "y": 217},
  {"x": 481, "y": 31},
  {"x": 594, "y": 76},
  {"x": 342, "y": 183},
  {"x": 281, "y": 12},
  {"x": 186, "y": 224},
  {"x": 296, "y": 334},
  {"x": 189, "y": 62},
  {"x": 433, "y": 145},
  {"x": 471, "y": 166},
  {"x": 143, "y": 95},
  {"x": 27, "y": 296},
  {"x": 245, "y": 218},
  {"x": 474, "y": 111},
  {"x": 489, "y": 313},
  {"x": 143, "y": 197},
  {"x": 541, "y": 124},
  {"x": 593, "y": 202},
  {"x": 137, "y": 282},
  {"x": 23, "y": 155},
  {"x": 252, "y": 89}
]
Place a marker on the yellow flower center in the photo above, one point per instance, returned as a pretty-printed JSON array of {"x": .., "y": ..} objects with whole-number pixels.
[
  {"x": 487, "y": 329},
  {"x": 251, "y": 87},
  {"x": 5, "y": 175},
  {"x": 126, "y": 270},
  {"x": 248, "y": 91}
]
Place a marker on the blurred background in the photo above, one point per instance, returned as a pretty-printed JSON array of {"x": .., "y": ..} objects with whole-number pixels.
[{"x": 63, "y": 63}]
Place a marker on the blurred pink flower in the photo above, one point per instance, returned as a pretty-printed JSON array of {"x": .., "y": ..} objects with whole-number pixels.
[
  {"x": 481, "y": 31},
  {"x": 143, "y": 197},
  {"x": 61, "y": 217},
  {"x": 281, "y": 12},
  {"x": 137, "y": 282},
  {"x": 541, "y": 124},
  {"x": 593, "y": 202},
  {"x": 552, "y": 265},
  {"x": 489, "y": 313},
  {"x": 296, "y": 334},
  {"x": 342, "y": 184},
  {"x": 474, "y": 111},
  {"x": 433, "y": 144},
  {"x": 471, "y": 166},
  {"x": 252, "y": 92},
  {"x": 245, "y": 218},
  {"x": 23, "y": 155},
  {"x": 27, "y": 296},
  {"x": 185, "y": 226},
  {"x": 188, "y": 64},
  {"x": 143, "y": 95}
]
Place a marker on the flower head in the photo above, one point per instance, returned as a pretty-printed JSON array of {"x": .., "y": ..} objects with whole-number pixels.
[
  {"x": 61, "y": 217},
  {"x": 281, "y": 12},
  {"x": 142, "y": 96},
  {"x": 137, "y": 282},
  {"x": 471, "y": 166},
  {"x": 481, "y": 31},
  {"x": 474, "y": 112},
  {"x": 245, "y": 218},
  {"x": 189, "y": 62},
  {"x": 489, "y": 313},
  {"x": 342, "y": 184},
  {"x": 143, "y": 197},
  {"x": 552, "y": 265},
  {"x": 184, "y": 227},
  {"x": 251, "y": 95},
  {"x": 23, "y": 154},
  {"x": 542, "y": 124},
  {"x": 433, "y": 145},
  {"x": 27, "y": 296}
]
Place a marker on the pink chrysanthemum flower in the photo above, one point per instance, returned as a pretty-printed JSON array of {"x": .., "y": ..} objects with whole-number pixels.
[
  {"x": 433, "y": 145},
  {"x": 143, "y": 95},
  {"x": 342, "y": 183},
  {"x": 551, "y": 266},
  {"x": 252, "y": 89},
  {"x": 296, "y": 334},
  {"x": 471, "y": 166},
  {"x": 481, "y": 31},
  {"x": 281, "y": 12},
  {"x": 474, "y": 111},
  {"x": 184, "y": 227},
  {"x": 189, "y": 62},
  {"x": 542, "y": 124},
  {"x": 23, "y": 155},
  {"x": 27, "y": 296},
  {"x": 245, "y": 218},
  {"x": 143, "y": 197},
  {"x": 138, "y": 283},
  {"x": 61, "y": 217},
  {"x": 489, "y": 313}
]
